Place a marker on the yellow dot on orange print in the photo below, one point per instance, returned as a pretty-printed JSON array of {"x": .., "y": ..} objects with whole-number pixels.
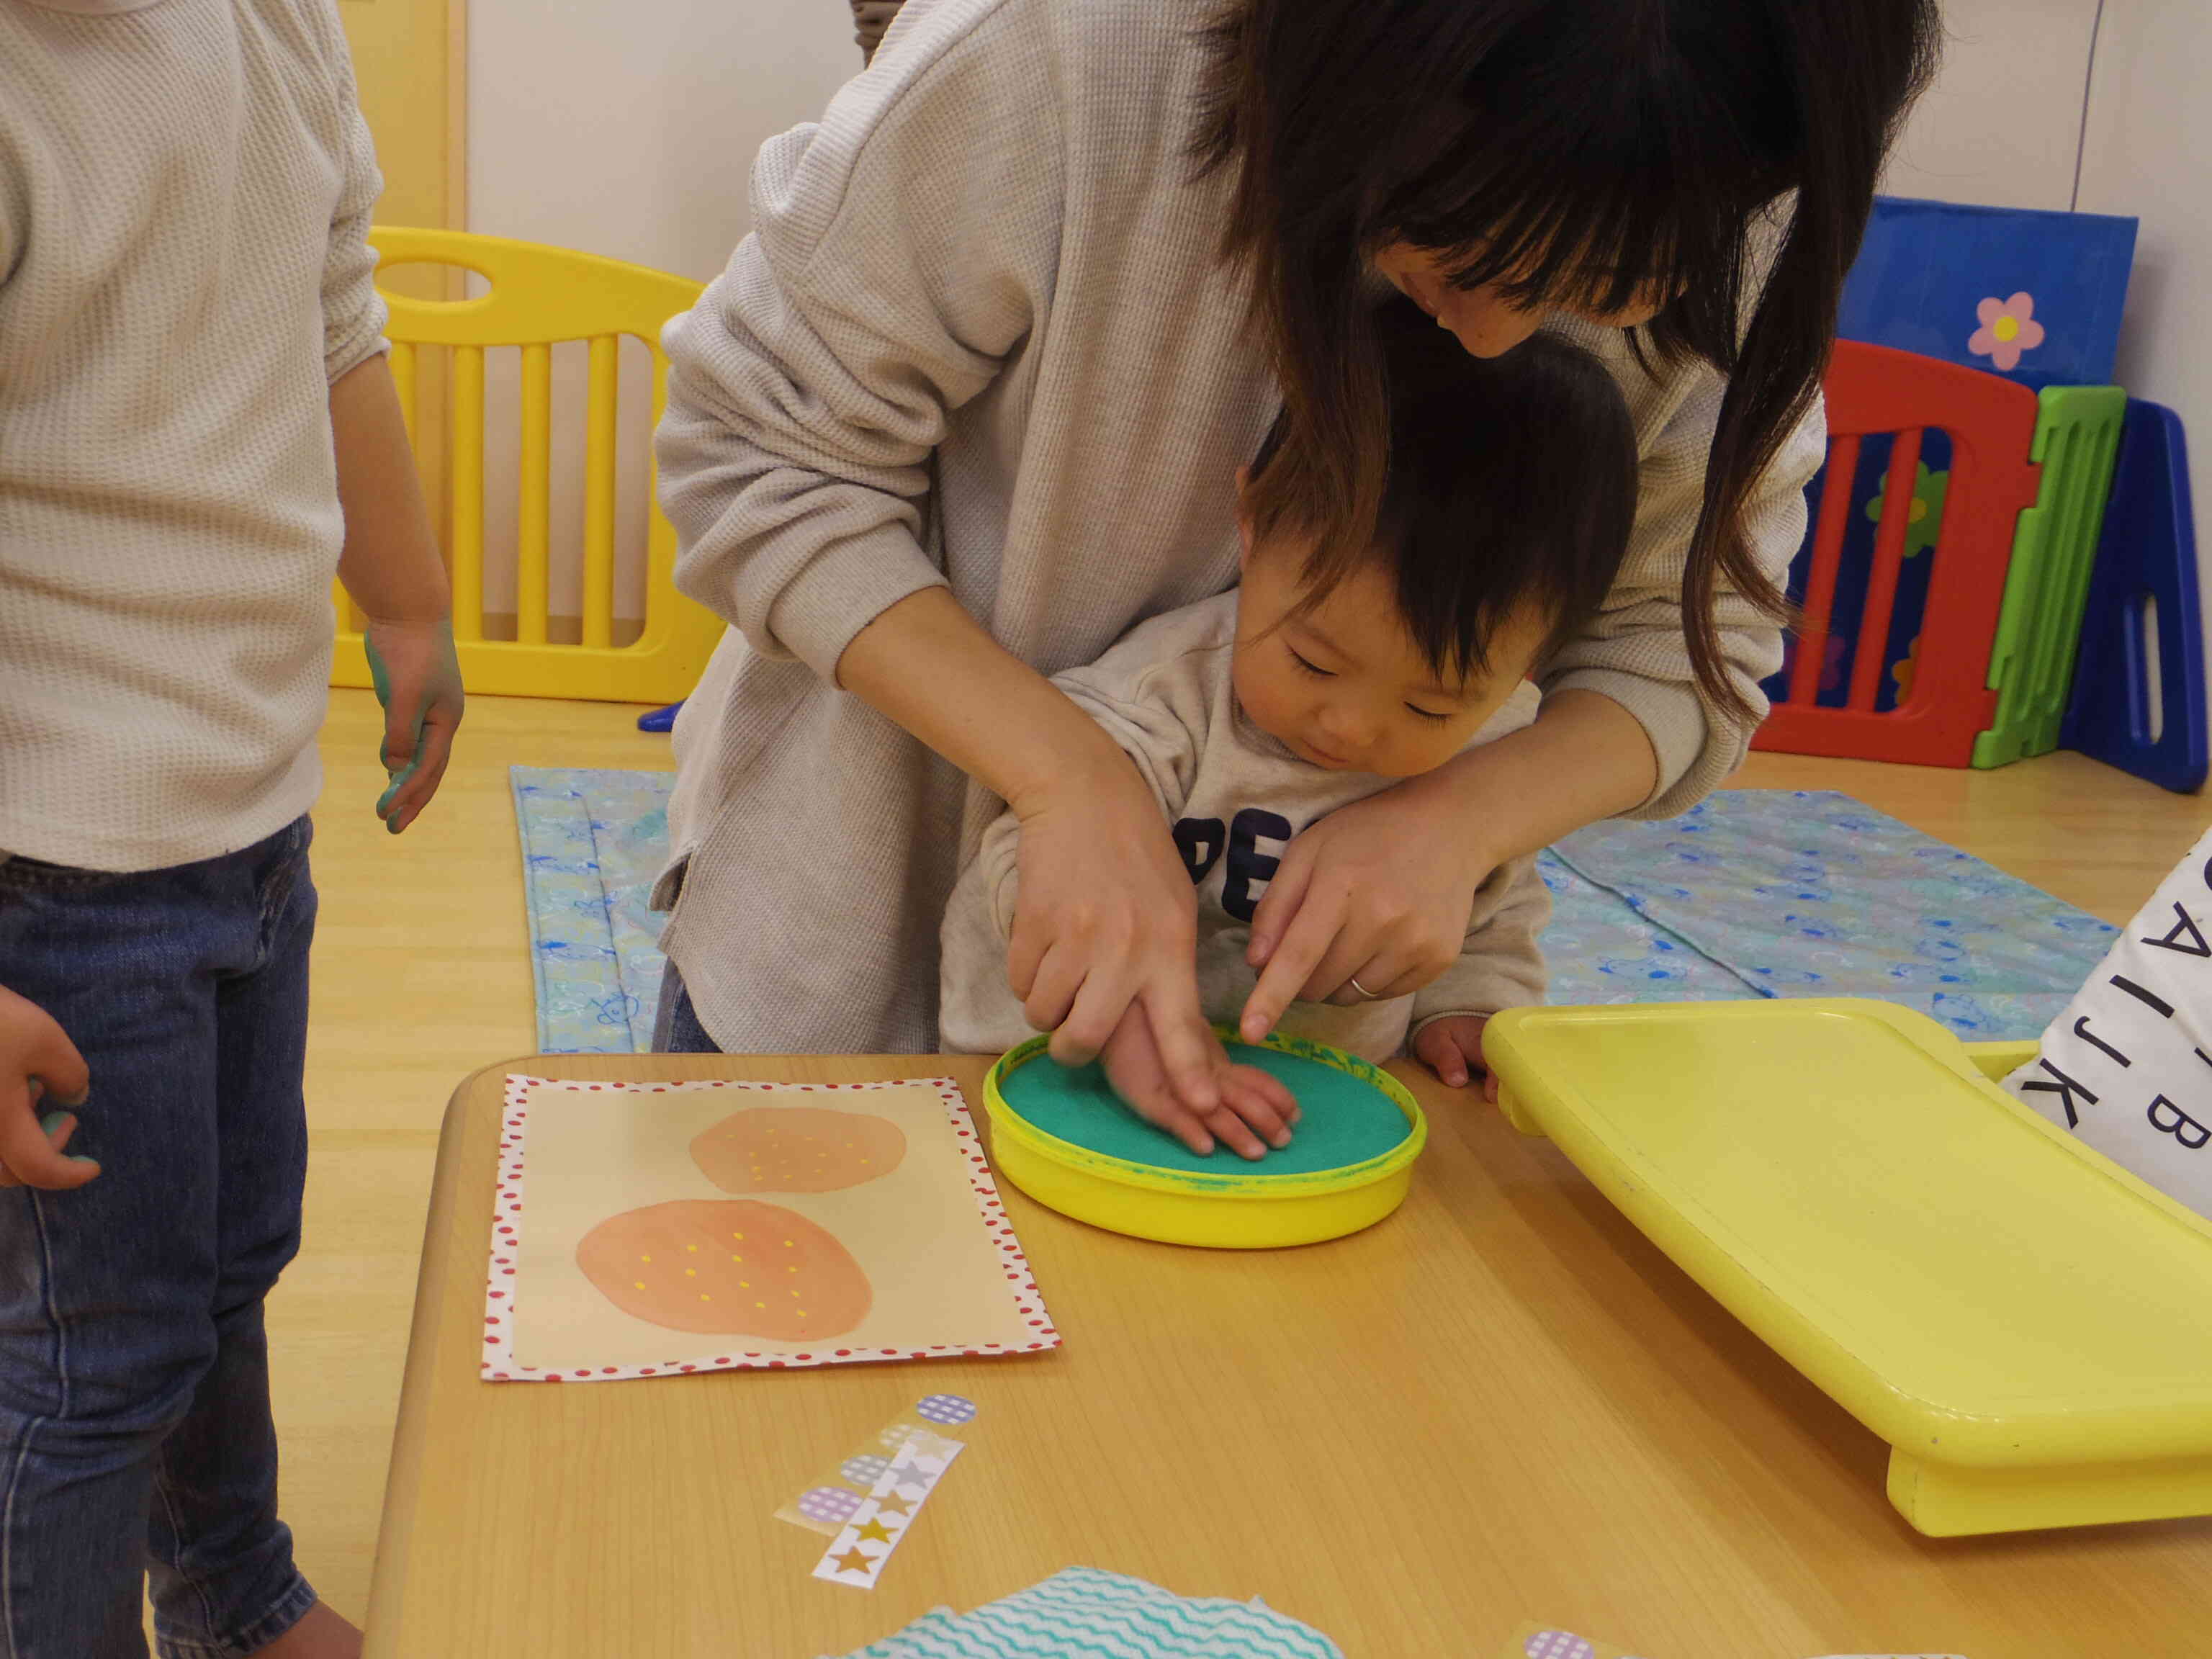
[
  {"x": 691, "y": 1272},
  {"x": 694, "y": 1248},
  {"x": 637, "y": 1283},
  {"x": 645, "y": 1258},
  {"x": 790, "y": 1270},
  {"x": 788, "y": 1245},
  {"x": 740, "y": 1238},
  {"x": 760, "y": 1304},
  {"x": 703, "y": 1296}
]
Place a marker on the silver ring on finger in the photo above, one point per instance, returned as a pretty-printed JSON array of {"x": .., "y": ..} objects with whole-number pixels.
[{"x": 1363, "y": 990}]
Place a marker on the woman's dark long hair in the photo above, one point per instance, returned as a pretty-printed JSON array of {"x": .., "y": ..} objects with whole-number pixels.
[{"x": 1571, "y": 152}]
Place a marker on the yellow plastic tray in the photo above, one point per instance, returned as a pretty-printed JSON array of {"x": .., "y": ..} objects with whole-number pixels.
[
  {"x": 1232, "y": 1211},
  {"x": 2028, "y": 1326}
]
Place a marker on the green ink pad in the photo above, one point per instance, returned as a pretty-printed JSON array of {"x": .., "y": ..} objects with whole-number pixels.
[
  {"x": 1347, "y": 1120},
  {"x": 1065, "y": 1139}
]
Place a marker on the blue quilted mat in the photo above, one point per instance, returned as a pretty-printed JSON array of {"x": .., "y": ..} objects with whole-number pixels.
[
  {"x": 592, "y": 843},
  {"x": 1757, "y": 893}
]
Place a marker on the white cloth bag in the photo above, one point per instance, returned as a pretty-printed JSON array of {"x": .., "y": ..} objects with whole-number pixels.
[{"x": 2128, "y": 1066}]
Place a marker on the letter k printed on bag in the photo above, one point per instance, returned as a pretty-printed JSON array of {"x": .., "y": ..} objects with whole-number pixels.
[{"x": 2128, "y": 1066}]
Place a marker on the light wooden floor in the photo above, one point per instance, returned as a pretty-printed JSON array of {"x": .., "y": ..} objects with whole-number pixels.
[{"x": 422, "y": 975}]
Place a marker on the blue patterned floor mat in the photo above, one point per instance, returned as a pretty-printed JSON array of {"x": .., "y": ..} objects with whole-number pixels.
[{"x": 1758, "y": 892}]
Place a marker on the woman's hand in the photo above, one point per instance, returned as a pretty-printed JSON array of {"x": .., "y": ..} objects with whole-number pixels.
[
  {"x": 1106, "y": 923},
  {"x": 1254, "y": 1106},
  {"x": 1381, "y": 890},
  {"x": 1105, "y": 916}
]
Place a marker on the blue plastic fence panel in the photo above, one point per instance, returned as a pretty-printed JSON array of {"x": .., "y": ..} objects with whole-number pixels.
[
  {"x": 1867, "y": 485},
  {"x": 2144, "y": 590},
  {"x": 2033, "y": 296}
]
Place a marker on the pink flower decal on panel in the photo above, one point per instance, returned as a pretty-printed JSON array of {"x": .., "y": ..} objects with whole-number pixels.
[{"x": 2008, "y": 328}]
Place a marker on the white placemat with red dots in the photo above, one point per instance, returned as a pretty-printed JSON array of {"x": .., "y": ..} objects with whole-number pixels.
[{"x": 641, "y": 1154}]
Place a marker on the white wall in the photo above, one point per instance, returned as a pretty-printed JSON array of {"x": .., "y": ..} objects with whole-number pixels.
[
  {"x": 2003, "y": 123},
  {"x": 2150, "y": 133},
  {"x": 626, "y": 128},
  {"x": 1999, "y": 123}
]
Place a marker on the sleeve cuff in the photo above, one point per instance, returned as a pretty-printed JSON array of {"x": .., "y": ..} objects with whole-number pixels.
[
  {"x": 355, "y": 350},
  {"x": 846, "y": 586},
  {"x": 1427, "y": 1020},
  {"x": 1672, "y": 715}
]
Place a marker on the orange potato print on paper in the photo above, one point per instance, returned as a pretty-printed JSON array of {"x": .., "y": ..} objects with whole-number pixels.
[
  {"x": 797, "y": 1149},
  {"x": 726, "y": 1266}
]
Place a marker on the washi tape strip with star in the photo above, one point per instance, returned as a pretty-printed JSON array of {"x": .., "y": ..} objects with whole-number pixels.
[
  {"x": 835, "y": 1496},
  {"x": 856, "y": 1556}
]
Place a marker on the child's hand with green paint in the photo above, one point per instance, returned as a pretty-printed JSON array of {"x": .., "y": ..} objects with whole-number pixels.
[
  {"x": 39, "y": 1062},
  {"x": 391, "y": 570},
  {"x": 419, "y": 682}
]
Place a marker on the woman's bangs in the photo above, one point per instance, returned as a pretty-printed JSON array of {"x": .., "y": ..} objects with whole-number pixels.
[{"x": 1592, "y": 206}]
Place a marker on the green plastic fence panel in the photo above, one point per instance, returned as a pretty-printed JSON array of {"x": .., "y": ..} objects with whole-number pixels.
[{"x": 2077, "y": 435}]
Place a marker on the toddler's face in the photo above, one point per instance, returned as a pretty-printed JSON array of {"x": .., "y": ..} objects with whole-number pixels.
[{"x": 1344, "y": 686}]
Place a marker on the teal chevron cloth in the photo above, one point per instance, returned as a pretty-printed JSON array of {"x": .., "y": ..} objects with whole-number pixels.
[{"x": 1081, "y": 1613}]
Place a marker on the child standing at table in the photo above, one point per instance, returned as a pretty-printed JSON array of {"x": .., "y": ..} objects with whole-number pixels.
[
  {"x": 197, "y": 427},
  {"x": 1506, "y": 513}
]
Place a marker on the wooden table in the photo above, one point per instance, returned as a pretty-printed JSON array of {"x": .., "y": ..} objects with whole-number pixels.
[{"x": 1501, "y": 1404}]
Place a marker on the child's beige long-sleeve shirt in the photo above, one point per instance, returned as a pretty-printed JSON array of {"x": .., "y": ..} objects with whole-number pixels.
[
  {"x": 1236, "y": 797},
  {"x": 184, "y": 188}
]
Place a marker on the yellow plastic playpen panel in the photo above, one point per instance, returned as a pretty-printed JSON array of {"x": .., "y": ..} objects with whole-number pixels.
[{"x": 539, "y": 297}]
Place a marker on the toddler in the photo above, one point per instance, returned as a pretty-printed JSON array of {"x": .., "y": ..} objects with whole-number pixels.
[{"x": 1320, "y": 681}]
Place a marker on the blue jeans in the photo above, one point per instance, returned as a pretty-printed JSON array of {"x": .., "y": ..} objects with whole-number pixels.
[
  {"x": 675, "y": 1027},
  {"x": 134, "y": 1434}
]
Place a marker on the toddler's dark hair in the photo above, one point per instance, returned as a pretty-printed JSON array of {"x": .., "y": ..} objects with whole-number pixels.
[{"x": 1511, "y": 484}]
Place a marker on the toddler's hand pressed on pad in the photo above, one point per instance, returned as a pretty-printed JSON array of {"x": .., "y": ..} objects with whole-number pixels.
[{"x": 1255, "y": 1107}]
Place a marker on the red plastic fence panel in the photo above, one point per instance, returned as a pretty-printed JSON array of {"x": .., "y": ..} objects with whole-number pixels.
[{"x": 1991, "y": 424}]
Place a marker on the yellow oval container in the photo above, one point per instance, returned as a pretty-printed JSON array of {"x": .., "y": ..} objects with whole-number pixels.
[{"x": 1235, "y": 1212}]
